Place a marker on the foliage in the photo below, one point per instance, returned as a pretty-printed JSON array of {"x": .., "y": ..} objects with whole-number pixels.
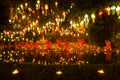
[{"x": 104, "y": 28}]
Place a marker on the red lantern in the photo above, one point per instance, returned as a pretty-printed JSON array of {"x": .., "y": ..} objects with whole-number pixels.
[{"x": 100, "y": 14}]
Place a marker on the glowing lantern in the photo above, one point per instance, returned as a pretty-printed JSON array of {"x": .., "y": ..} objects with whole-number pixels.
[
  {"x": 56, "y": 3},
  {"x": 86, "y": 16},
  {"x": 64, "y": 14},
  {"x": 33, "y": 33},
  {"x": 43, "y": 12},
  {"x": 93, "y": 17},
  {"x": 108, "y": 10},
  {"x": 38, "y": 5},
  {"x": 100, "y": 14},
  {"x": 26, "y": 4},
  {"x": 23, "y": 17},
  {"x": 22, "y": 7},
  {"x": 86, "y": 20},
  {"x": 38, "y": 1},
  {"x": 46, "y": 8},
  {"x": 113, "y": 9},
  {"x": 118, "y": 10},
  {"x": 57, "y": 20},
  {"x": 71, "y": 22}
]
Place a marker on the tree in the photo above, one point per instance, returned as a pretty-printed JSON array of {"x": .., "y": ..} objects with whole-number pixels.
[{"x": 104, "y": 28}]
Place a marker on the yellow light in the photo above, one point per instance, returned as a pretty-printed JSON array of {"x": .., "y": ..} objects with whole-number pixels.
[
  {"x": 26, "y": 4},
  {"x": 81, "y": 23},
  {"x": 36, "y": 21},
  {"x": 71, "y": 22},
  {"x": 118, "y": 10},
  {"x": 15, "y": 71},
  {"x": 21, "y": 6},
  {"x": 23, "y": 39},
  {"x": 58, "y": 72},
  {"x": 37, "y": 6},
  {"x": 28, "y": 29},
  {"x": 56, "y": 3},
  {"x": 30, "y": 10},
  {"x": 38, "y": 2},
  {"x": 46, "y": 6},
  {"x": 23, "y": 17},
  {"x": 1, "y": 37},
  {"x": 92, "y": 15},
  {"x": 100, "y": 71},
  {"x": 18, "y": 8},
  {"x": 10, "y": 21},
  {"x": 108, "y": 10},
  {"x": 26, "y": 39},
  {"x": 4, "y": 39}
]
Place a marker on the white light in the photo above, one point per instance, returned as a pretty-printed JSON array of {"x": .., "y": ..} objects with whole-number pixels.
[
  {"x": 18, "y": 8},
  {"x": 86, "y": 16},
  {"x": 71, "y": 22}
]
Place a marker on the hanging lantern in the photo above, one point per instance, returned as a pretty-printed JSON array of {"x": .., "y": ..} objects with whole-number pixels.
[
  {"x": 42, "y": 8},
  {"x": 86, "y": 20},
  {"x": 38, "y": 5},
  {"x": 113, "y": 9},
  {"x": 22, "y": 7},
  {"x": 56, "y": 4},
  {"x": 46, "y": 8},
  {"x": 26, "y": 5},
  {"x": 33, "y": 33},
  {"x": 64, "y": 14},
  {"x": 57, "y": 20},
  {"x": 93, "y": 17},
  {"x": 100, "y": 14},
  {"x": 108, "y": 10},
  {"x": 118, "y": 10}
]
